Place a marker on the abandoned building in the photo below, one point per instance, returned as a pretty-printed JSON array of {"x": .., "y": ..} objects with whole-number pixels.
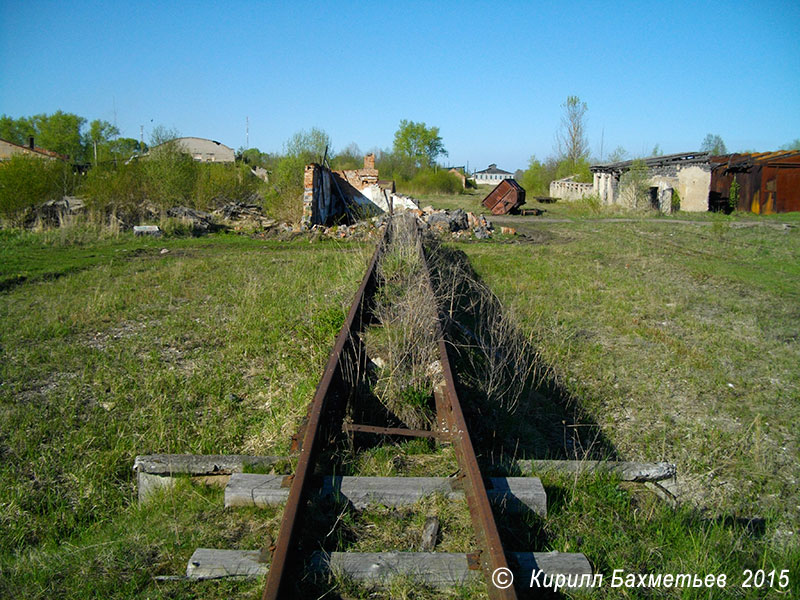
[
  {"x": 688, "y": 175},
  {"x": 330, "y": 196},
  {"x": 506, "y": 197},
  {"x": 763, "y": 183},
  {"x": 203, "y": 150},
  {"x": 491, "y": 175},
  {"x": 9, "y": 149}
]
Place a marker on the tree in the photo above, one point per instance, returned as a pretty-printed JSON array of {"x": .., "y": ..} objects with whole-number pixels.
[
  {"x": 16, "y": 130},
  {"x": 310, "y": 145},
  {"x": 618, "y": 155},
  {"x": 713, "y": 143},
  {"x": 162, "y": 134},
  {"x": 794, "y": 145},
  {"x": 98, "y": 140},
  {"x": 571, "y": 140},
  {"x": 422, "y": 144},
  {"x": 537, "y": 177},
  {"x": 657, "y": 151},
  {"x": 60, "y": 132}
]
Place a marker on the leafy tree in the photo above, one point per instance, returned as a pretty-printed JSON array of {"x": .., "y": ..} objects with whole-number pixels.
[
  {"x": 713, "y": 143},
  {"x": 310, "y": 145},
  {"x": 571, "y": 140},
  {"x": 16, "y": 130},
  {"x": 657, "y": 151},
  {"x": 60, "y": 132},
  {"x": 537, "y": 177},
  {"x": 124, "y": 148},
  {"x": 422, "y": 144},
  {"x": 349, "y": 158},
  {"x": 98, "y": 140}
]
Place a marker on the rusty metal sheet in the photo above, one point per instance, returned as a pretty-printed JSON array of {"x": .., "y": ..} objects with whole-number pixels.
[{"x": 507, "y": 196}]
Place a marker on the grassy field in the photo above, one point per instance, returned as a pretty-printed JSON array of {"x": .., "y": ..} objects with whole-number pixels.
[
  {"x": 118, "y": 348},
  {"x": 682, "y": 344},
  {"x": 676, "y": 343}
]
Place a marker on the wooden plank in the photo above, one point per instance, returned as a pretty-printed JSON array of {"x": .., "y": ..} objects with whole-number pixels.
[
  {"x": 444, "y": 569},
  {"x": 627, "y": 471},
  {"x": 438, "y": 569},
  {"x": 200, "y": 464},
  {"x": 207, "y": 563},
  {"x": 511, "y": 493}
]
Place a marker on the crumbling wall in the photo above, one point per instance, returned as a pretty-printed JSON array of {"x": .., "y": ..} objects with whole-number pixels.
[
  {"x": 567, "y": 189},
  {"x": 346, "y": 196}
]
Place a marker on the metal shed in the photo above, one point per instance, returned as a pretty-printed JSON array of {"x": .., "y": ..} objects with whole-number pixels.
[
  {"x": 769, "y": 182},
  {"x": 506, "y": 197}
]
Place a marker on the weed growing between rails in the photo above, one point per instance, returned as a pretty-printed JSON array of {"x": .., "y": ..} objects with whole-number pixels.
[{"x": 403, "y": 344}]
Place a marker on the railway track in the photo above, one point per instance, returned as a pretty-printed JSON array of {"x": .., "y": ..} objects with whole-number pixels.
[
  {"x": 326, "y": 421},
  {"x": 340, "y": 422}
]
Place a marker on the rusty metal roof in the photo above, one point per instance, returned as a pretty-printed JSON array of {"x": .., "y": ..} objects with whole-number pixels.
[{"x": 744, "y": 161}]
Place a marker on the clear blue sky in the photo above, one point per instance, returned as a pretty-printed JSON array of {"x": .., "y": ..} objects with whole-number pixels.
[{"x": 492, "y": 76}]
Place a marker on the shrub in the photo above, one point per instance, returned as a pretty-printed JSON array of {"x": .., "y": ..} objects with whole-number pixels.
[
  {"x": 115, "y": 189},
  {"x": 283, "y": 199},
  {"x": 429, "y": 181},
  {"x": 170, "y": 177},
  {"x": 634, "y": 186},
  {"x": 220, "y": 183},
  {"x": 26, "y": 181}
]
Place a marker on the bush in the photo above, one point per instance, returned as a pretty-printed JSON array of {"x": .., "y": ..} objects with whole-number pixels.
[
  {"x": 26, "y": 181},
  {"x": 170, "y": 177},
  {"x": 283, "y": 199},
  {"x": 115, "y": 189},
  {"x": 218, "y": 184},
  {"x": 429, "y": 181}
]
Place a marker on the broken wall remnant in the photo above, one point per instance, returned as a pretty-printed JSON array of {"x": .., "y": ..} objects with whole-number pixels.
[
  {"x": 569, "y": 189},
  {"x": 330, "y": 196},
  {"x": 689, "y": 174},
  {"x": 506, "y": 197}
]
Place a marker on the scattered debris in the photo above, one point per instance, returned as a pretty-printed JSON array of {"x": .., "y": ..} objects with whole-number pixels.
[
  {"x": 53, "y": 212},
  {"x": 164, "y": 251},
  {"x": 153, "y": 230},
  {"x": 201, "y": 222}
]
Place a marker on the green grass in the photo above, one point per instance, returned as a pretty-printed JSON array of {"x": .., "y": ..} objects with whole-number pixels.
[
  {"x": 213, "y": 347},
  {"x": 682, "y": 344}
]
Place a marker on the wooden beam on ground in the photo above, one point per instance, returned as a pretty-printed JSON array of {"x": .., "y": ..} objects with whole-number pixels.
[
  {"x": 207, "y": 563},
  {"x": 626, "y": 471},
  {"x": 438, "y": 569},
  {"x": 156, "y": 471},
  {"x": 514, "y": 494}
]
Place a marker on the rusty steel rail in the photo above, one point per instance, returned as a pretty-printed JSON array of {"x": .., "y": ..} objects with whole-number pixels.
[
  {"x": 451, "y": 425},
  {"x": 301, "y": 480}
]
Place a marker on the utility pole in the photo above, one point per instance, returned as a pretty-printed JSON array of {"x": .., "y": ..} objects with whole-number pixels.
[
  {"x": 247, "y": 134},
  {"x": 141, "y": 137}
]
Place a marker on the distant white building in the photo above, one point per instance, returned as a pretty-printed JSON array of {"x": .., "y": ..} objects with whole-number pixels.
[
  {"x": 203, "y": 150},
  {"x": 491, "y": 176}
]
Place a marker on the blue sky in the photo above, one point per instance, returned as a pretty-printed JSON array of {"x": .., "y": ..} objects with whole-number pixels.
[{"x": 492, "y": 76}]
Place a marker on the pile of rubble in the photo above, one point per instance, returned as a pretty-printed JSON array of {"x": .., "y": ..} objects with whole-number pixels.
[{"x": 459, "y": 223}]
